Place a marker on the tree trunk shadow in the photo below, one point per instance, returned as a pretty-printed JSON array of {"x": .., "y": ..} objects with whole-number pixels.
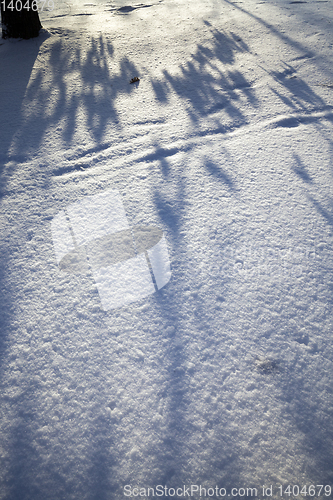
[{"x": 18, "y": 59}]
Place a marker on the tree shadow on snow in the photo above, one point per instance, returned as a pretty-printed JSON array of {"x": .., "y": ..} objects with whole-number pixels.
[
  {"x": 209, "y": 83},
  {"x": 97, "y": 92},
  {"x": 17, "y": 62},
  {"x": 185, "y": 316},
  {"x": 66, "y": 89},
  {"x": 195, "y": 82},
  {"x": 295, "y": 92},
  {"x": 56, "y": 99}
]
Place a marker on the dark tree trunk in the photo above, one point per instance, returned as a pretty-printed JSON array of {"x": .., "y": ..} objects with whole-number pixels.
[{"x": 19, "y": 22}]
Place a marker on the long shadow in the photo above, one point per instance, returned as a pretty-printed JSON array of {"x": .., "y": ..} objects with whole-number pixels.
[
  {"x": 34, "y": 100},
  {"x": 17, "y": 62},
  {"x": 195, "y": 82},
  {"x": 301, "y": 407},
  {"x": 188, "y": 313},
  {"x": 207, "y": 95}
]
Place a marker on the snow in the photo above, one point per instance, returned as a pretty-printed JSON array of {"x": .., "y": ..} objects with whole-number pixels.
[{"x": 223, "y": 375}]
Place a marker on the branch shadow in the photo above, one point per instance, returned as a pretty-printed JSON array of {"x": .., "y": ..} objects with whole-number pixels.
[
  {"x": 79, "y": 87},
  {"x": 208, "y": 78},
  {"x": 180, "y": 434},
  {"x": 66, "y": 90},
  {"x": 297, "y": 93},
  {"x": 300, "y": 169},
  {"x": 327, "y": 214}
]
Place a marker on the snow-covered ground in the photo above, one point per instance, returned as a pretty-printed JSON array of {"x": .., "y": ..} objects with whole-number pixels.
[{"x": 223, "y": 377}]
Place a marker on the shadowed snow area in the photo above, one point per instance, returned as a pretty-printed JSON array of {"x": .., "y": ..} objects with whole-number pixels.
[{"x": 214, "y": 365}]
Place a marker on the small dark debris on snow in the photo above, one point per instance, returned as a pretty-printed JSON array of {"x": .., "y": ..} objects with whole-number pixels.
[{"x": 266, "y": 366}]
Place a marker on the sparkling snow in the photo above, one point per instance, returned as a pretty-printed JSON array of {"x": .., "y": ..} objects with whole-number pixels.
[{"x": 224, "y": 376}]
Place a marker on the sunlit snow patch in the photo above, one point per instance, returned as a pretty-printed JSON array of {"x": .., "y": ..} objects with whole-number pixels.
[{"x": 127, "y": 263}]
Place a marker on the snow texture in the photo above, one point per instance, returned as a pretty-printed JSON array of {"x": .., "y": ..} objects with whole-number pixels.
[{"x": 221, "y": 375}]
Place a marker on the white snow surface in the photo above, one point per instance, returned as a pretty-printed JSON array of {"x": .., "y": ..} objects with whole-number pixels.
[{"x": 223, "y": 377}]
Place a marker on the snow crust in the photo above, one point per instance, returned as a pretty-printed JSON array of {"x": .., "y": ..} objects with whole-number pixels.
[{"x": 222, "y": 377}]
